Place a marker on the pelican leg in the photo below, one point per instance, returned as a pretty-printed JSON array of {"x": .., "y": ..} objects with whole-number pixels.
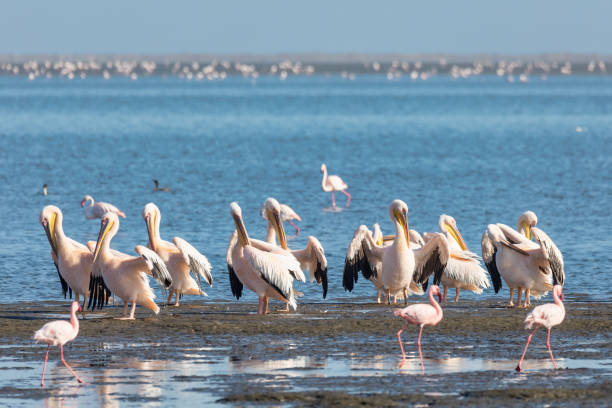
[
  {"x": 266, "y": 311},
  {"x": 348, "y": 200},
  {"x": 125, "y": 311},
  {"x": 333, "y": 200},
  {"x": 67, "y": 366},
  {"x": 42, "y": 380},
  {"x": 286, "y": 307},
  {"x": 420, "y": 353},
  {"x": 395, "y": 299},
  {"x": 388, "y": 296},
  {"x": 518, "y": 302},
  {"x": 297, "y": 229},
  {"x": 260, "y": 309},
  {"x": 549, "y": 350},
  {"x": 171, "y": 292},
  {"x": 527, "y": 301},
  {"x": 405, "y": 296},
  {"x": 518, "y": 367},
  {"x": 445, "y": 291},
  {"x": 457, "y": 295},
  {"x": 178, "y": 296},
  {"x": 378, "y": 298},
  {"x": 76, "y": 296},
  {"x": 511, "y": 297}
]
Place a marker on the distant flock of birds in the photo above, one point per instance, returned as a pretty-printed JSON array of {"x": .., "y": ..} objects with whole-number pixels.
[{"x": 397, "y": 265}]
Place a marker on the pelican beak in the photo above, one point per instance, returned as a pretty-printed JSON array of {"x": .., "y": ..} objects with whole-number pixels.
[
  {"x": 527, "y": 230},
  {"x": 454, "y": 231},
  {"x": 149, "y": 223},
  {"x": 105, "y": 226},
  {"x": 278, "y": 227},
  {"x": 402, "y": 218},
  {"x": 241, "y": 230},
  {"x": 49, "y": 227}
]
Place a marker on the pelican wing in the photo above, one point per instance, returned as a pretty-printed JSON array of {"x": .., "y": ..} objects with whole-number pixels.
[
  {"x": 275, "y": 249},
  {"x": 415, "y": 238},
  {"x": 431, "y": 258},
  {"x": 363, "y": 254},
  {"x": 464, "y": 266},
  {"x": 489, "y": 252},
  {"x": 197, "y": 262},
  {"x": 235, "y": 283},
  {"x": 155, "y": 265},
  {"x": 99, "y": 293},
  {"x": 313, "y": 259},
  {"x": 275, "y": 270},
  {"x": 551, "y": 254}
]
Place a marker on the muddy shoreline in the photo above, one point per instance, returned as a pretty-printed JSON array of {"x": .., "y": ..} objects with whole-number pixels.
[{"x": 321, "y": 334}]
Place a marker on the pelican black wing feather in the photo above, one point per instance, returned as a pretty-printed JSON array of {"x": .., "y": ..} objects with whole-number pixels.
[
  {"x": 65, "y": 287},
  {"x": 433, "y": 265},
  {"x": 235, "y": 283},
  {"x": 494, "y": 272},
  {"x": 98, "y": 293},
  {"x": 321, "y": 278}
]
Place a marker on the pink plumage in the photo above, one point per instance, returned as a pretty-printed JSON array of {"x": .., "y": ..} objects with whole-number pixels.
[
  {"x": 420, "y": 314},
  {"x": 97, "y": 210},
  {"x": 547, "y": 315},
  {"x": 334, "y": 183},
  {"x": 58, "y": 333}
]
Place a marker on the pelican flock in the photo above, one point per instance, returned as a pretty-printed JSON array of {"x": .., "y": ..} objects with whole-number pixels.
[{"x": 397, "y": 265}]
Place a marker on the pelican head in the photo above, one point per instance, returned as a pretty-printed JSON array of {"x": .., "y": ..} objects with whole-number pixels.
[
  {"x": 86, "y": 199},
  {"x": 48, "y": 218},
  {"x": 526, "y": 221},
  {"x": 108, "y": 228},
  {"x": 272, "y": 211},
  {"x": 236, "y": 213},
  {"x": 398, "y": 212},
  {"x": 448, "y": 223},
  {"x": 435, "y": 290},
  {"x": 152, "y": 217}
]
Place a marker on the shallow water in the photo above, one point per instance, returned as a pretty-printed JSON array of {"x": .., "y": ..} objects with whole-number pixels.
[{"x": 479, "y": 149}]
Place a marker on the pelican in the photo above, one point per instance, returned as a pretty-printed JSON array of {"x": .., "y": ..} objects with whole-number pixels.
[
  {"x": 180, "y": 257},
  {"x": 400, "y": 265},
  {"x": 158, "y": 188},
  {"x": 263, "y": 268},
  {"x": 311, "y": 258},
  {"x": 334, "y": 183},
  {"x": 122, "y": 274},
  {"x": 522, "y": 263},
  {"x": 416, "y": 242},
  {"x": 97, "y": 210},
  {"x": 72, "y": 259},
  {"x": 286, "y": 214},
  {"x": 463, "y": 270}
]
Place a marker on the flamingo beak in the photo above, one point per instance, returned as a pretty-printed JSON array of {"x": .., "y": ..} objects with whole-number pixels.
[
  {"x": 439, "y": 297},
  {"x": 82, "y": 203},
  {"x": 105, "y": 226}
]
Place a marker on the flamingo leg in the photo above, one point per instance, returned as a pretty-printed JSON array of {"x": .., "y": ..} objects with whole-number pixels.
[
  {"x": 399, "y": 339},
  {"x": 297, "y": 229},
  {"x": 348, "y": 200},
  {"x": 42, "y": 380},
  {"x": 445, "y": 291},
  {"x": 518, "y": 367},
  {"x": 549, "y": 350},
  {"x": 511, "y": 297},
  {"x": 457, "y": 295},
  {"x": 420, "y": 353},
  {"x": 66, "y": 364},
  {"x": 333, "y": 200}
]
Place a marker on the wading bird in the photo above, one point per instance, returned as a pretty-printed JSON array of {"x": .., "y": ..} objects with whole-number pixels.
[
  {"x": 264, "y": 268},
  {"x": 97, "y": 210},
  {"x": 124, "y": 275},
  {"x": 420, "y": 315},
  {"x": 58, "y": 333},
  {"x": 45, "y": 189},
  {"x": 180, "y": 257},
  {"x": 547, "y": 315},
  {"x": 334, "y": 183},
  {"x": 72, "y": 259},
  {"x": 398, "y": 265},
  {"x": 158, "y": 188},
  {"x": 521, "y": 262},
  {"x": 311, "y": 258},
  {"x": 287, "y": 214},
  {"x": 463, "y": 270}
]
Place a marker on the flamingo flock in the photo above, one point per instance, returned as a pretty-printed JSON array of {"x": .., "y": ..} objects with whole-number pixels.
[{"x": 398, "y": 265}]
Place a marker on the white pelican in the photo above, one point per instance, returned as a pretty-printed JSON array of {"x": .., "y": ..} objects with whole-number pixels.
[
  {"x": 311, "y": 258},
  {"x": 416, "y": 242},
  {"x": 522, "y": 263},
  {"x": 72, "y": 259},
  {"x": 97, "y": 210},
  {"x": 180, "y": 257},
  {"x": 463, "y": 270},
  {"x": 263, "y": 268},
  {"x": 334, "y": 183},
  {"x": 286, "y": 214},
  {"x": 124, "y": 275},
  {"x": 400, "y": 265},
  {"x": 158, "y": 188}
]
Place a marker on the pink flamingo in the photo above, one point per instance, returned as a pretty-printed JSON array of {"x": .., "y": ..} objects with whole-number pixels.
[
  {"x": 420, "y": 314},
  {"x": 97, "y": 210},
  {"x": 58, "y": 333},
  {"x": 548, "y": 315},
  {"x": 333, "y": 183}
]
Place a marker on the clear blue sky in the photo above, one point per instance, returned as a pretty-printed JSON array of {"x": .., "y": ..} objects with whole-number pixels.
[{"x": 328, "y": 26}]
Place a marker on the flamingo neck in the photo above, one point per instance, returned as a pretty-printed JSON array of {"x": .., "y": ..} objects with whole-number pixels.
[
  {"x": 324, "y": 181},
  {"x": 74, "y": 321},
  {"x": 270, "y": 234},
  {"x": 88, "y": 208},
  {"x": 435, "y": 304},
  {"x": 558, "y": 300}
]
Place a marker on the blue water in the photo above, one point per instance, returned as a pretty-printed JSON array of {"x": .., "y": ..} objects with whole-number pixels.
[{"x": 480, "y": 149}]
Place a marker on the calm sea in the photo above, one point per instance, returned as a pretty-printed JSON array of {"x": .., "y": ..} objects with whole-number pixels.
[{"x": 480, "y": 149}]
